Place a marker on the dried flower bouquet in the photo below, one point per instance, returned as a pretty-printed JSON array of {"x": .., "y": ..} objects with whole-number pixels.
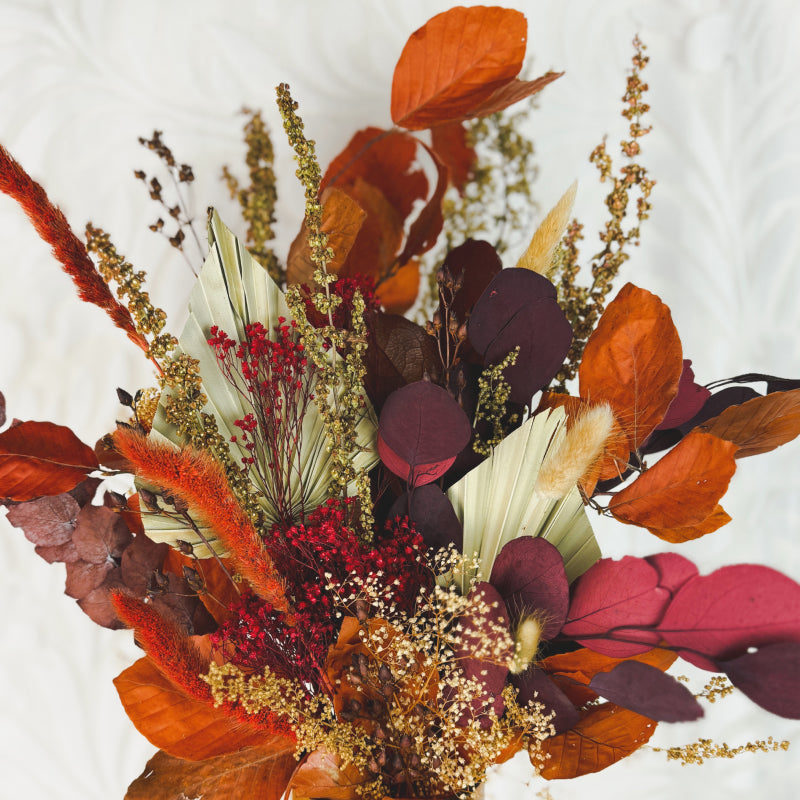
[{"x": 358, "y": 557}]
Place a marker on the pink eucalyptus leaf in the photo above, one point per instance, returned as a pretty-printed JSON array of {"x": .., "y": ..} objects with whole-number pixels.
[
  {"x": 718, "y": 616},
  {"x": 614, "y": 603},
  {"x": 673, "y": 570},
  {"x": 770, "y": 677},
  {"x": 647, "y": 691}
]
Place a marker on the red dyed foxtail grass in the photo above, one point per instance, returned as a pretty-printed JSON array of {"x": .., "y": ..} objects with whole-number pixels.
[
  {"x": 53, "y": 227},
  {"x": 198, "y": 480}
]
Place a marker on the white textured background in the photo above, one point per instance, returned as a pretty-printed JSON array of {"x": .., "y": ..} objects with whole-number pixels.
[{"x": 80, "y": 80}]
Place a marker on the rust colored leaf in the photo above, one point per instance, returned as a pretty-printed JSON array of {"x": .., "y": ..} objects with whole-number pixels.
[
  {"x": 180, "y": 725},
  {"x": 320, "y": 776},
  {"x": 582, "y": 665},
  {"x": 760, "y": 424},
  {"x": 513, "y": 92},
  {"x": 398, "y": 293},
  {"x": 449, "y": 142},
  {"x": 385, "y": 159},
  {"x": 455, "y": 63},
  {"x": 682, "y": 489},
  {"x": 261, "y": 772},
  {"x": 342, "y": 219},
  {"x": 716, "y": 519},
  {"x": 41, "y": 459},
  {"x": 633, "y": 362},
  {"x": 605, "y": 734}
]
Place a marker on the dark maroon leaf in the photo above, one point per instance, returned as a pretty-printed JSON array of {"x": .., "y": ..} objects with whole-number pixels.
[
  {"x": 101, "y": 535},
  {"x": 85, "y": 491},
  {"x": 529, "y": 574},
  {"x": 475, "y": 263},
  {"x": 717, "y": 403},
  {"x": 769, "y": 677},
  {"x": 476, "y": 626},
  {"x": 142, "y": 557},
  {"x": 519, "y": 308},
  {"x": 536, "y": 686},
  {"x": 48, "y": 521},
  {"x": 774, "y": 383},
  {"x": 673, "y": 570},
  {"x": 2, "y": 410},
  {"x": 421, "y": 431},
  {"x": 614, "y": 603},
  {"x": 647, "y": 691},
  {"x": 97, "y": 603},
  {"x": 83, "y": 577},
  {"x": 718, "y": 616},
  {"x": 399, "y": 352},
  {"x": 690, "y": 399},
  {"x": 432, "y": 514}
]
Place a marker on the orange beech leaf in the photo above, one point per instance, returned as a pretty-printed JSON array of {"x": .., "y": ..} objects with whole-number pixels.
[
  {"x": 384, "y": 159},
  {"x": 455, "y": 63},
  {"x": 605, "y": 734},
  {"x": 182, "y": 726},
  {"x": 582, "y": 665},
  {"x": 398, "y": 293},
  {"x": 255, "y": 772},
  {"x": 449, "y": 142},
  {"x": 320, "y": 776},
  {"x": 513, "y": 92},
  {"x": 342, "y": 219},
  {"x": 716, "y": 519},
  {"x": 41, "y": 459},
  {"x": 633, "y": 361},
  {"x": 760, "y": 424},
  {"x": 682, "y": 489}
]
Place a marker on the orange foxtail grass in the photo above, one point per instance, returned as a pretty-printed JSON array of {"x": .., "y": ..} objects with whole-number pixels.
[
  {"x": 198, "y": 480},
  {"x": 51, "y": 224},
  {"x": 179, "y": 660}
]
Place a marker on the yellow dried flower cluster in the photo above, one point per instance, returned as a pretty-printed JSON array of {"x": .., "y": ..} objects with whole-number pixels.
[
  {"x": 583, "y": 306},
  {"x": 148, "y": 319},
  {"x": 493, "y": 393},
  {"x": 258, "y": 200},
  {"x": 703, "y": 749}
]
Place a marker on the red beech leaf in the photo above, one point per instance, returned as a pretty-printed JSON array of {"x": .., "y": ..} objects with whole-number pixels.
[
  {"x": 261, "y": 772},
  {"x": 42, "y": 459},
  {"x": 610, "y": 601},
  {"x": 718, "y": 616},
  {"x": 680, "y": 490},
  {"x": 769, "y": 677},
  {"x": 455, "y": 63},
  {"x": 449, "y": 142},
  {"x": 647, "y": 691},
  {"x": 633, "y": 362},
  {"x": 606, "y": 734},
  {"x": 180, "y": 725},
  {"x": 760, "y": 424}
]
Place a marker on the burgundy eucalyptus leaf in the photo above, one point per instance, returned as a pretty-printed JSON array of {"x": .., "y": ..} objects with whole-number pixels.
[
  {"x": 48, "y": 521},
  {"x": 770, "y": 677},
  {"x": 673, "y": 570},
  {"x": 647, "y": 691},
  {"x": 519, "y": 308},
  {"x": 533, "y": 685},
  {"x": 477, "y": 626},
  {"x": 432, "y": 514},
  {"x": 421, "y": 431},
  {"x": 101, "y": 535},
  {"x": 399, "y": 352},
  {"x": 614, "y": 603},
  {"x": 529, "y": 574},
  {"x": 718, "y": 616},
  {"x": 690, "y": 399}
]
